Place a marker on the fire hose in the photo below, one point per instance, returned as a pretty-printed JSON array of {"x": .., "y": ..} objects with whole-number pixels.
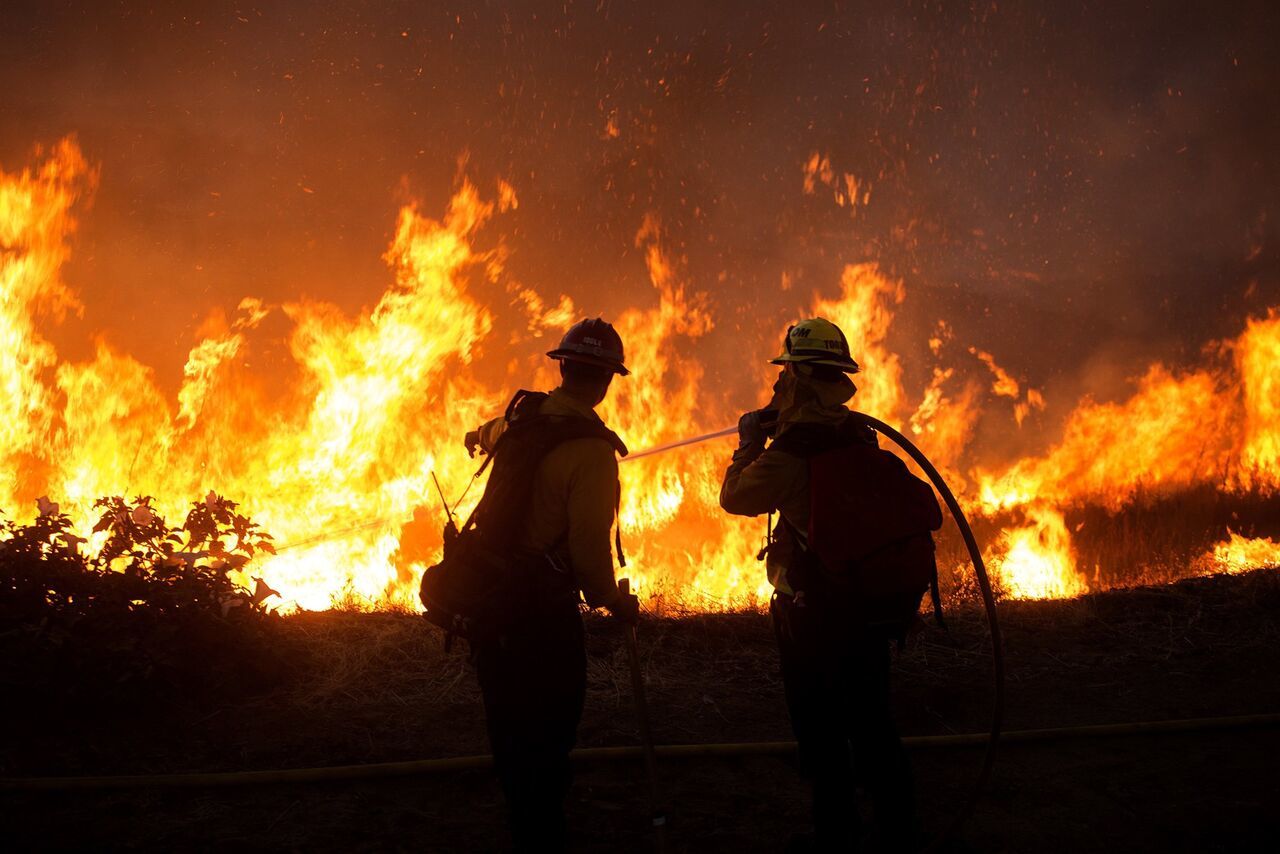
[
  {"x": 337, "y": 533},
  {"x": 649, "y": 752},
  {"x": 993, "y": 623},
  {"x": 420, "y": 767},
  {"x": 984, "y": 586},
  {"x": 980, "y": 572}
]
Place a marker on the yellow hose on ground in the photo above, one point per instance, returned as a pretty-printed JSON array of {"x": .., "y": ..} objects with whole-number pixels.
[{"x": 384, "y": 770}]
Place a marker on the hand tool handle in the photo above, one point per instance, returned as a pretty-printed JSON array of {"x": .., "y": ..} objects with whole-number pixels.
[{"x": 659, "y": 815}]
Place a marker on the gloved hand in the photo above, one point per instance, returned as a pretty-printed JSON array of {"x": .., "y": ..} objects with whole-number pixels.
[
  {"x": 752, "y": 430},
  {"x": 626, "y": 609},
  {"x": 472, "y": 441}
]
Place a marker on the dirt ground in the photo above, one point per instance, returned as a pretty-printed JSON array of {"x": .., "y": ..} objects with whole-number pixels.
[{"x": 378, "y": 687}]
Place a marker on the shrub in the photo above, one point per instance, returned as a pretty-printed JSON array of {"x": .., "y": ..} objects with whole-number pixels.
[{"x": 155, "y": 610}]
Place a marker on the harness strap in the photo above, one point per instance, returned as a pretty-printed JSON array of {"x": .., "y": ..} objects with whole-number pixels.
[
  {"x": 802, "y": 559},
  {"x": 471, "y": 520},
  {"x": 935, "y": 595},
  {"x": 617, "y": 531},
  {"x": 798, "y": 572},
  {"x": 527, "y": 401},
  {"x": 768, "y": 537}
]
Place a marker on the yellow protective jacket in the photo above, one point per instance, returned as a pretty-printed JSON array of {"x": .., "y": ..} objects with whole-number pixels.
[
  {"x": 760, "y": 481},
  {"x": 575, "y": 500}
]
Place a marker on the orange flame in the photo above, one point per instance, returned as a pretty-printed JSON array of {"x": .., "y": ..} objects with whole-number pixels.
[
  {"x": 1240, "y": 554},
  {"x": 335, "y": 458},
  {"x": 1034, "y": 562}
]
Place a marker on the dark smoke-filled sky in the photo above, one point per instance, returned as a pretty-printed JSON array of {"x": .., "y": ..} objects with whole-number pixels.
[{"x": 1077, "y": 187}]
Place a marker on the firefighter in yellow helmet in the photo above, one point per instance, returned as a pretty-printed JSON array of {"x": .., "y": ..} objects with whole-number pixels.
[
  {"x": 548, "y": 508},
  {"x": 836, "y": 680}
]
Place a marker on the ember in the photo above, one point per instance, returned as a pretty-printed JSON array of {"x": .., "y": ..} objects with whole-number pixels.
[
  {"x": 1057, "y": 274},
  {"x": 339, "y": 463}
]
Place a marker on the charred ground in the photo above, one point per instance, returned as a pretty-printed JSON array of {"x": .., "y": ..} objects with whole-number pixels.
[{"x": 378, "y": 687}]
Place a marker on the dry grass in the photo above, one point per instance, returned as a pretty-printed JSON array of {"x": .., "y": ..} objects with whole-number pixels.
[
  {"x": 708, "y": 673},
  {"x": 378, "y": 657},
  {"x": 379, "y": 686},
  {"x": 370, "y": 687},
  {"x": 1156, "y": 539},
  {"x": 399, "y": 660}
]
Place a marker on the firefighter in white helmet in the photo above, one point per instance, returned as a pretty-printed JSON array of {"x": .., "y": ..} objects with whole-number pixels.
[{"x": 836, "y": 680}]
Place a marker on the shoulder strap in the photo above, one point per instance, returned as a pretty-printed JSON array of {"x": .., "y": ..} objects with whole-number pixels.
[
  {"x": 568, "y": 427},
  {"x": 526, "y": 406},
  {"x": 524, "y": 403},
  {"x": 807, "y": 440},
  {"x": 529, "y": 437}
]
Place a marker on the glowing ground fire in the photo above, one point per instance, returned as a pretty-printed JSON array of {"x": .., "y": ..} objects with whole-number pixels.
[{"x": 339, "y": 461}]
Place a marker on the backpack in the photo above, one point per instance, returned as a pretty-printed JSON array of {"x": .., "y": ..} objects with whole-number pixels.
[
  {"x": 870, "y": 546},
  {"x": 484, "y": 584}
]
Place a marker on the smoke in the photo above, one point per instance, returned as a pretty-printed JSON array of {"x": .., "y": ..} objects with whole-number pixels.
[{"x": 1077, "y": 188}]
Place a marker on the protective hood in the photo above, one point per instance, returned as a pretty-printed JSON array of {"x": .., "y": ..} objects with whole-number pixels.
[{"x": 801, "y": 399}]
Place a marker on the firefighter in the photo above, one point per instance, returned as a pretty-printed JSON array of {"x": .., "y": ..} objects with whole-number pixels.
[
  {"x": 533, "y": 675},
  {"x": 835, "y": 676}
]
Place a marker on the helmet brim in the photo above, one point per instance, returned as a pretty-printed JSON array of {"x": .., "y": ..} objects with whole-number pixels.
[
  {"x": 587, "y": 359},
  {"x": 847, "y": 365}
]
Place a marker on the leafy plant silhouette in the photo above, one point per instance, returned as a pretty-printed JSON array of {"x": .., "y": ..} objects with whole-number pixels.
[{"x": 156, "y": 605}]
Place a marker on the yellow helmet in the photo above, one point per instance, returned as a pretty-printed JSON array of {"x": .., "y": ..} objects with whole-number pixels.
[{"x": 817, "y": 341}]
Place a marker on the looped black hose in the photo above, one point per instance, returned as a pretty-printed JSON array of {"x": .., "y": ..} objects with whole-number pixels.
[{"x": 988, "y": 602}]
